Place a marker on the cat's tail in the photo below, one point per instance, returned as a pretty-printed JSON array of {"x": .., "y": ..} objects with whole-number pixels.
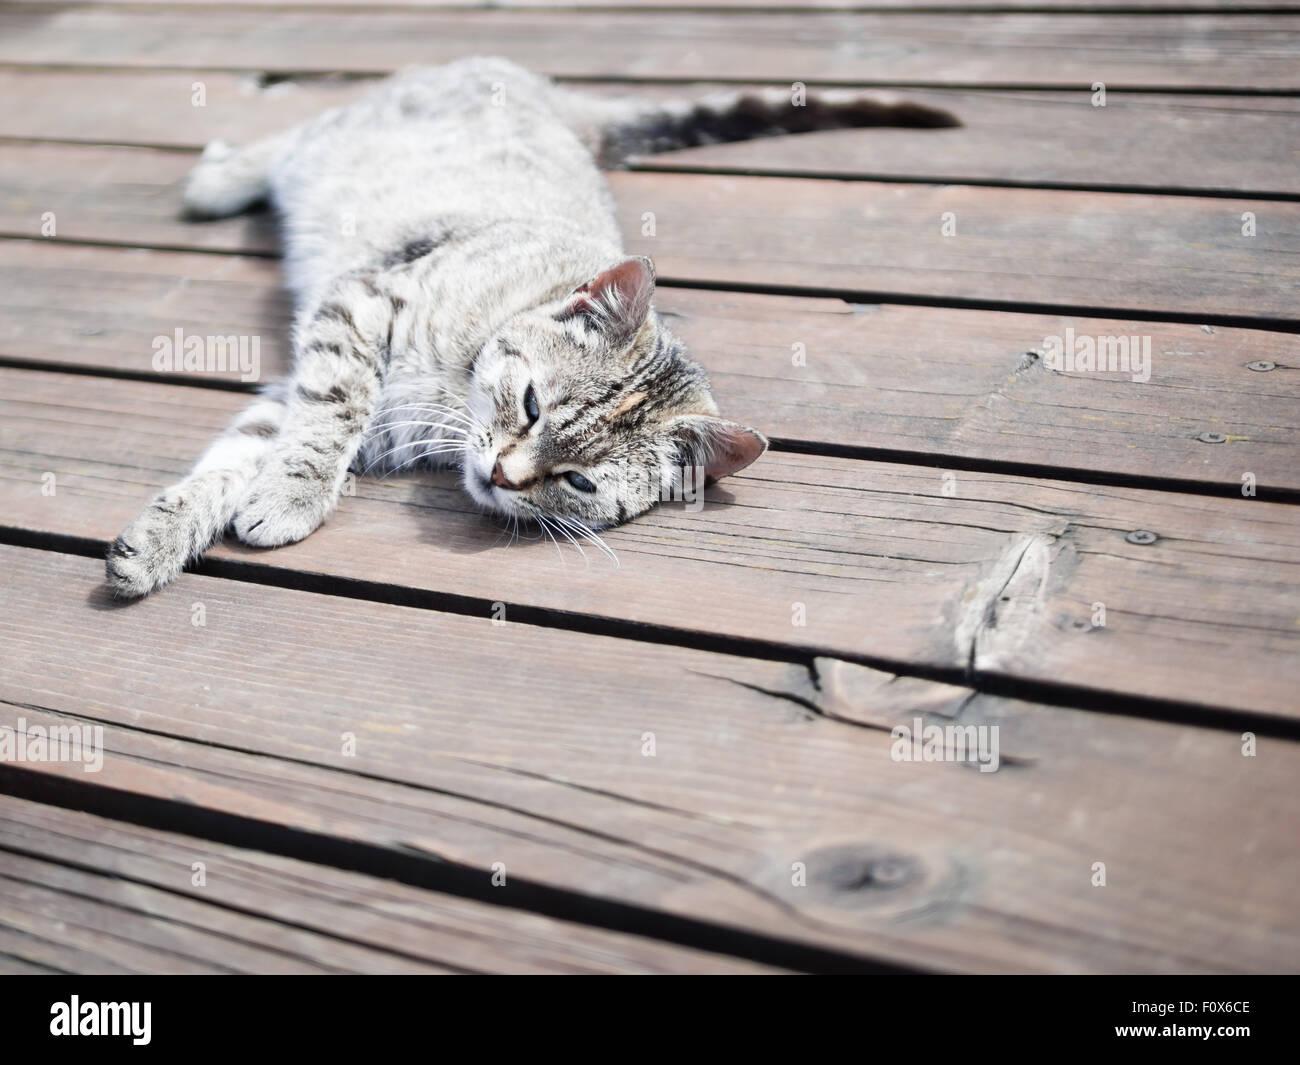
[
  {"x": 228, "y": 180},
  {"x": 618, "y": 128}
]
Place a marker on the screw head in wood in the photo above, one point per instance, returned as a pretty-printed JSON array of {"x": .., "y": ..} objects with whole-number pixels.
[
  {"x": 1262, "y": 366},
  {"x": 1141, "y": 536},
  {"x": 1212, "y": 438}
]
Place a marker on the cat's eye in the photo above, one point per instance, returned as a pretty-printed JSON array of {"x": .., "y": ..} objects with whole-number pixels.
[
  {"x": 531, "y": 410},
  {"x": 579, "y": 481}
]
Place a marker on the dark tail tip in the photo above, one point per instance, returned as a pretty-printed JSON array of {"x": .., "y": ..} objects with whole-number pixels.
[{"x": 924, "y": 117}]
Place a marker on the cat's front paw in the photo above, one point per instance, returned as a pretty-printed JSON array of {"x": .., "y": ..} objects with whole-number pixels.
[
  {"x": 153, "y": 549},
  {"x": 281, "y": 507}
]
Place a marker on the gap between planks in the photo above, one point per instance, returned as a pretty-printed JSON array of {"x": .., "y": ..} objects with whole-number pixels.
[
  {"x": 1064, "y": 696},
  {"x": 947, "y": 388},
  {"x": 234, "y": 735},
  {"x": 1205, "y": 52},
  {"x": 1091, "y": 254},
  {"x": 1223, "y": 146},
  {"x": 262, "y": 913},
  {"x": 853, "y": 540}
]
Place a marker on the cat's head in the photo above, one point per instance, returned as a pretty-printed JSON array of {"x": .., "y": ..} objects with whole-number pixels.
[{"x": 590, "y": 409}]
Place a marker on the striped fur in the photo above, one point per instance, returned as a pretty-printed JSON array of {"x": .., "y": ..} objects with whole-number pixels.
[
  {"x": 618, "y": 129},
  {"x": 457, "y": 268}
]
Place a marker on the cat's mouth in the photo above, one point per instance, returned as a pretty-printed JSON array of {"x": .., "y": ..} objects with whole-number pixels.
[{"x": 479, "y": 485}]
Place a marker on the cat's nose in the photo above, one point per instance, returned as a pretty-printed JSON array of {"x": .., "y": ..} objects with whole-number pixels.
[{"x": 499, "y": 478}]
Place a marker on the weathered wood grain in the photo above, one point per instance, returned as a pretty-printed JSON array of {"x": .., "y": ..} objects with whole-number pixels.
[
  {"x": 127, "y": 928},
  {"x": 12, "y": 965},
  {"x": 1039, "y": 138},
  {"x": 1187, "y": 143},
  {"x": 755, "y": 768},
  {"x": 296, "y": 916},
  {"x": 220, "y": 695},
  {"x": 1206, "y": 51},
  {"x": 785, "y": 5},
  {"x": 920, "y": 380},
  {"x": 1024, "y": 247},
  {"x": 880, "y": 561}
]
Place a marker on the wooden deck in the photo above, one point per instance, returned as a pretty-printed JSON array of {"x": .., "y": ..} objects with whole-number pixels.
[{"x": 404, "y": 746}]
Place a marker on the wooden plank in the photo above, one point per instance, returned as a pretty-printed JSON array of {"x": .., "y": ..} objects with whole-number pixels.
[
  {"x": 1179, "y": 6},
  {"x": 71, "y": 878},
  {"x": 159, "y": 934},
  {"x": 1219, "y": 143},
  {"x": 1206, "y": 51},
  {"x": 19, "y": 948},
  {"x": 755, "y": 768},
  {"x": 1189, "y": 144},
  {"x": 1024, "y": 247},
  {"x": 919, "y": 380},
  {"x": 149, "y": 107},
  {"x": 883, "y": 562},
  {"x": 10, "y": 965}
]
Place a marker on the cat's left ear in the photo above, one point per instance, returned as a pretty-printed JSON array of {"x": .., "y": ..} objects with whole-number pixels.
[
  {"x": 618, "y": 298},
  {"x": 720, "y": 446}
]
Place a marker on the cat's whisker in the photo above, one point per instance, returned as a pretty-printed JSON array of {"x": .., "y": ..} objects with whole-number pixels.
[
  {"x": 452, "y": 432},
  {"x": 385, "y": 424},
  {"x": 392, "y": 450},
  {"x": 440, "y": 447},
  {"x": 455, "y": 415},
  {"x": 589, "y": 534},
  {"x": 426, "y": 404},
  {"x": 517, "y": 531},
  {"x": 506, "y": 532},
  {"x": 545, "y": 527},
  {"x": 467, "y": 428},
  {"x": 570, "y": 528},
  {"x": 520, "y": 535},
  {"x": 466, "y": 409},
  {"x": 383, "y": 427},
  {"x": 466, "y": 416},
  {"x": 561, "y": 526},
  {"x": 419, "y": 441},
  {"x": 430, "y": 453}
]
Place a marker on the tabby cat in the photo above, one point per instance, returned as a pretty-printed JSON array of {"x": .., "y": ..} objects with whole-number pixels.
[{"x": 462, "y": 297}]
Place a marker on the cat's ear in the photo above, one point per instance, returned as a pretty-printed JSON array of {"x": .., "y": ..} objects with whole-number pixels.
[
  {"x": 618, "y": 298},
  {"x": 720, "y": 446}
]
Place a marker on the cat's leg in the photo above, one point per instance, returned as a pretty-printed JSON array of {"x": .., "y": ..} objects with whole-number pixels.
[
  {"x": 229, "y": 180},
  {"x": 186, "y": 519},
  {"x": 342, "y": 352}
]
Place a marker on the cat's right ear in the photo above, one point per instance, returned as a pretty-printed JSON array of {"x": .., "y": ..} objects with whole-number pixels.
[
  {"x": 618, "y": 299},
  {"x": 719, "y": 446}
]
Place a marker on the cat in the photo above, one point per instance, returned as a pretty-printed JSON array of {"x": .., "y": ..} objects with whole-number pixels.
[{"x": 462, "y": 297}]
